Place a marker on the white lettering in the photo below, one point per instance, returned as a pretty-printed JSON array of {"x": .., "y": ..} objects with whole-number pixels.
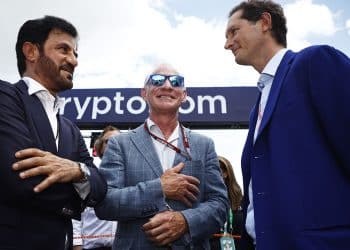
[
  {"x": 81, "y": 109},
  {"x": 96, "y": 110},
  {"x": 118, "y": 98},
  {"x": 65, "y": 101},
  {"x": 135, "y": 105},
  {"x": 211, "y": 100},
  {"x": 190, "y": 108},
  {"x": 130, "y": 108}
]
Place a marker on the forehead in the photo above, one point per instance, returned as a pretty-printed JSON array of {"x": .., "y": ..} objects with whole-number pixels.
[
  {"x": 57, "y": 36},
  {"x": 235, "y": 20},
  {"x": 165, "y": 70}
]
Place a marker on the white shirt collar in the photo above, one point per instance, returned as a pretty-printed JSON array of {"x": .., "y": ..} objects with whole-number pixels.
[
  {"x": 35, "y": 87},
  {"x": 156, "y": 130},
  {"x": 272, "y": 65}
]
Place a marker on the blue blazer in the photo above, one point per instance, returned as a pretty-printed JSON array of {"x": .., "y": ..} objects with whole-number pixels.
[
  {"x": 300, "y": 162},
  {"x": 29, "y": 220},
  {"x": 132, "y": 170}
]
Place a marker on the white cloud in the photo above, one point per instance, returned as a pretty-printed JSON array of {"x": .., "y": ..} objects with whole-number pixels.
[
  {"x": 305, "y": 18},
  {"x": 146, "y": 37},
  {"x": 347, "y": 25},
  {"x": 120, "y": 41}
]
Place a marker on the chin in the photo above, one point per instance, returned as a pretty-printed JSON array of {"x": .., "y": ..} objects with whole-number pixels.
[
  {"x": 241, "y": 61},
  {"x": 66, "y": 84}
]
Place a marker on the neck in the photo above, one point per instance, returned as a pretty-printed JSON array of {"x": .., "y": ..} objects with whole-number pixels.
[
  {"x": 266, "y": 54},
  {"x": 166, "y": 123},
  {"x": 40, "y": 80}
]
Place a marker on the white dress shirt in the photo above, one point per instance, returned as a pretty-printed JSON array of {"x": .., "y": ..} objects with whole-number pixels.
[
  {"x": 270, "y": 69},
  {"x": 165, "y": 154},
  {"x": 92, "y": 232}
]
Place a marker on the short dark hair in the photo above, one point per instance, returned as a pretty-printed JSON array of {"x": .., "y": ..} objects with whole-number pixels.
[
  {"x": 37, "y": 31},
  {"x": 99, "y": 141},
  {"x": 252, "y": 11}
]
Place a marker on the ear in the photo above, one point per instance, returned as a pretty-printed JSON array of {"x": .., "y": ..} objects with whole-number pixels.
[
  {"x": 30, "y": 51},
  {"x": 266, "y": 21},
  {"x": 143, "y": 94},
  {"x": 184, "y": 96}
]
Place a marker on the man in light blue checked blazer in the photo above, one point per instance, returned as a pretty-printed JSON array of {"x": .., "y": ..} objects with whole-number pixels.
[{"x": 164, "y": 183}]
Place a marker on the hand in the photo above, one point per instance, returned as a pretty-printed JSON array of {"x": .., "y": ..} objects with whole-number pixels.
[
  {"x": 36, "y": 162},
  {"x": 165, "y": 227},
  {"x": 180, "y": 187}
]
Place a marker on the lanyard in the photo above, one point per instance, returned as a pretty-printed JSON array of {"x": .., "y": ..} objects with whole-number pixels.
[
  {"x": 172, "y": 146},
  {"x": 229, "y": 227}
]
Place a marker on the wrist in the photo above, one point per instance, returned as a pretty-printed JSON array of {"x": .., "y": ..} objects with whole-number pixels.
[{"x": 84, "y": 173}]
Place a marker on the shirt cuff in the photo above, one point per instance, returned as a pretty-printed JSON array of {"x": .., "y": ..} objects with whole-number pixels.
[{"x": 83, "y": 189}]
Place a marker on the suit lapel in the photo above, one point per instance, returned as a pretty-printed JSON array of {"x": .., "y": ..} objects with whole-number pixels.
[
  {"x": 252, "y": 121},
  {"x": 282, "y": 71},
  {"x": 178, "y": 157},
  {"x": 64, "y": 141},
  {"x": 143, "y": 142},
  {"x": 246, "y": 154},
  {"x": 36, "y": 112}
]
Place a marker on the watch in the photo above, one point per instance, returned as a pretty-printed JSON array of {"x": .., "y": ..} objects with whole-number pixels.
[{"x": 85, "y": 171}]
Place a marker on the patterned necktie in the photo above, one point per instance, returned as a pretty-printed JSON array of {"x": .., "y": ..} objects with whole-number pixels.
[{"x": 263, "y": 79}]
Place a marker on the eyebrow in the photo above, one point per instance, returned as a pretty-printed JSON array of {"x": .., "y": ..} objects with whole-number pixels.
[
  {"x": 230, "y": 30},
  {"x": 67, "y": 46}
]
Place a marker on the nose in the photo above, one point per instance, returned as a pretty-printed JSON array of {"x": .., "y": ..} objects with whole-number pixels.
[
  {"x": 167, "y": 84},
  {"x": 228, "y": 43},
  {"x": 72, "y": 59}
]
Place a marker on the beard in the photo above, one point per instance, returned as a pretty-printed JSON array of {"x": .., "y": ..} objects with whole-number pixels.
[{"x": 52, "y": 74}]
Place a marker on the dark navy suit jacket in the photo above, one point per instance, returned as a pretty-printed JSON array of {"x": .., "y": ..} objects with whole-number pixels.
[
  {"x": 29, "y": 220},
  {"x": 300, "y": 161}
]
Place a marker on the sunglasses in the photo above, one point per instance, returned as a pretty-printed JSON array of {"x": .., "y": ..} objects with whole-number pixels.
[{"x": 158, "y": 80}]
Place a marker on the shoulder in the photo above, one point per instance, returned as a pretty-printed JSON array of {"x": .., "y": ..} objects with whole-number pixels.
[
  {"x": 318, "y": 57},
  {"x": 9, "y": 93},
  {"x": 7, "y": 88},
  {"x": 320, "y": 51}
]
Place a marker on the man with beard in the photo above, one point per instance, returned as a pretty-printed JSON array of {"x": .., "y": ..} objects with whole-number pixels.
[{"x": 47, "y": 176}]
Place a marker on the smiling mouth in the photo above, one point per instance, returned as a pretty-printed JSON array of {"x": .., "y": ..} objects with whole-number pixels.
[
  {"x": 235, "y": 49},
  {"x": 165, "y": 97},
  {"x": 69, "y": 70},
  {"x": 69, "y": 75}
]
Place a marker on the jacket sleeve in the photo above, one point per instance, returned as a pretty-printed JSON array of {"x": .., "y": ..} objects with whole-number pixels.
[
  {"x": 329, "y": 78},
  {"x": 98, "y": 185},
  {"x": 14, "y": 136}
]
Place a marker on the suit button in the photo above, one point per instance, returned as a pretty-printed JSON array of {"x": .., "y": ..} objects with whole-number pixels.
[{"x": 67, "y": 211}]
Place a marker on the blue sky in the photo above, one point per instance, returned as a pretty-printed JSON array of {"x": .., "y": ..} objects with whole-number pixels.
[{"x": 121, "y": 40}]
